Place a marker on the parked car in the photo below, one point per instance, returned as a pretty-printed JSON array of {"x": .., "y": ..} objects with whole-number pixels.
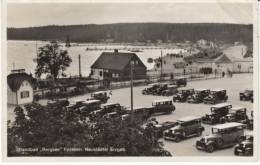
[
  {"x": 108, "y": 108},
  {"x": 74, "y": 104},
  {"x": 162, "y": 87},
  {"x": 89, "y": 106},
  {"x": 216, "y": 96},
  {"x": 246, "y": 95},
  {"x": 217, "y": 114},
  {"x": 102, "y": 96},
  {"x": 171, "y": 90},
  {"x": 245, "y": 147},
  {"x": 237, "y": 114},
  {"x": 250, "y": 122},
  {"x": 182, "y": 95},
  {"x": 186, "y": 127},
  {"x": 164, "y": 106},
  {"x": 60, "y": 102},
  {"x": 223, "y": 135},
  {"x": 181, "y": 81},
  {"x": 160, "y": 128},
  {"x": 150, "y": 89},
  {"x": 111, "y": 115},
  {"x": 198, "y": 96},
  {"x": 139, "y": 113}
]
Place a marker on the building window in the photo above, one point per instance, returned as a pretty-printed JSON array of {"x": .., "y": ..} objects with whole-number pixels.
[
  {"x": 100, "y": 73},
  {"x": 25, "y": 94},
  {"x": 92, "y": 72}
]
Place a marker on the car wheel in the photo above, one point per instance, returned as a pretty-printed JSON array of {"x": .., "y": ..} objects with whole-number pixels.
[
  {"x": 210, "y": 148},
  {"x": 235, "y": 152},
  {"x": 220, "y": 142},
  {"x": 248, "y": 153},
  {"x": 177, "y": 139}
]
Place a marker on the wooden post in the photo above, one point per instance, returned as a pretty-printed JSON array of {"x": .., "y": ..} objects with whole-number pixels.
[{"x": 79, "y": 66}]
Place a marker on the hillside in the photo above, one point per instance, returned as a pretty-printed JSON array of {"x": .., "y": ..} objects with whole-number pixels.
[{"x": 131, "y": 32}]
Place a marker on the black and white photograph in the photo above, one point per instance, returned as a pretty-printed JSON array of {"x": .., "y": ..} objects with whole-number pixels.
[{"x": 167, "y": 79}]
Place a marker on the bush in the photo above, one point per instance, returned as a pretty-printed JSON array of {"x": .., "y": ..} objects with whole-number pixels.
[{"x": 54, "y": 126}]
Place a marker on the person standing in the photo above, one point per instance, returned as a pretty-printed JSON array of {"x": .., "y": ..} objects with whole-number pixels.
[{"x": 223, "y": 74}]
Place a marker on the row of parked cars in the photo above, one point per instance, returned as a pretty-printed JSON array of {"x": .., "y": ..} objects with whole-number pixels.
[
  {"x": 222, "y": 135},
  {"x": 93, "y": 108},
  {"x": 165, "y": 89},
  {"x": 205, "y": 96},
  {"x": 225, "y": 112}
]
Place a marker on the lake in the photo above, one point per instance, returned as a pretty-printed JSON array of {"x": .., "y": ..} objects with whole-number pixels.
[{"x": 20, "y": 55}]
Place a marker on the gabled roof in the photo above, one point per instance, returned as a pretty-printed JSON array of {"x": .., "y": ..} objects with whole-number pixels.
[
  {"x": 222, "y": 59},
  {"x": 113, "y": 60},
  {"x": 15, "y": 80}
]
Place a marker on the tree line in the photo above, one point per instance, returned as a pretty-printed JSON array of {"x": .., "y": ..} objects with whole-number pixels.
[{"x": 132, "y": 32}]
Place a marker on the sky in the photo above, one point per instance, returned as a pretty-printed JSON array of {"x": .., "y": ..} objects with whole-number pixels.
[{"x": 42, "y": 14}]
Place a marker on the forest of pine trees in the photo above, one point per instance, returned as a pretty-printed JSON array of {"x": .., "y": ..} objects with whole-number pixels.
[{"x": 132, "y": 32}]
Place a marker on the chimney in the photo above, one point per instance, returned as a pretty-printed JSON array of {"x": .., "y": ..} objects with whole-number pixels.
[{"x": 115, "y": 50}]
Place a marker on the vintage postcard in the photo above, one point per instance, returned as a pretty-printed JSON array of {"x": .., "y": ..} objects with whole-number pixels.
[{"x": 130, "y": 80}]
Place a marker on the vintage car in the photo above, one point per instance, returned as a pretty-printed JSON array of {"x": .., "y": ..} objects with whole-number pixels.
[
  {"x": 250, "y": 121},
  {"x": 180, "y": 81},
  {"x": 237, "y": 114},
  {"x": 111, "y": 115},
  {"x": 150, "y": 89},
  {"x": 74, "y": 104},
  {"x": 108, "y": 108},
  {"x": 186, "y": 127},
  {"x": 217, "y": 114},
  {"x": 89, "y": 106},
  {"x": 162, "y": 87},
  {"x": 245, "y": 147},
  {"x": 163, "y": 106},
  {"x": 102, "y": 96},
  {"x": 140, "y": 114},
  {"x": 216, "y": 96},
  {"x": 160, "y": 128},
  {"x": 198, "y": 96},
  {"x": 247, "y": 95},
  {"x": 182, "y": 95},
  {"x": 59, "y": 102},
  {"x": 223, "y": 135},
  {"x": 171, "y": 90}
]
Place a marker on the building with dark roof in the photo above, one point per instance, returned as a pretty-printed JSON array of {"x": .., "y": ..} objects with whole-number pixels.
[
  {"x": 115, "y": 66},
  {"x": 19, "y": 87}
]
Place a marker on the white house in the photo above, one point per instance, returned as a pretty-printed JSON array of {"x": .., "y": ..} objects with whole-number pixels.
[
  {"x": 171, "y": 64},
  {"x": 240, "y": 63},
  {"x": 19, "y": 88}
]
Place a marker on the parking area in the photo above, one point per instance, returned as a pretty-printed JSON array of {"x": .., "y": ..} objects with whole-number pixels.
[{"x": 233, "y": 85}]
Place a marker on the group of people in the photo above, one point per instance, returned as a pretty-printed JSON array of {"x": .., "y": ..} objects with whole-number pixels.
[{"x": 229, "y": 74}]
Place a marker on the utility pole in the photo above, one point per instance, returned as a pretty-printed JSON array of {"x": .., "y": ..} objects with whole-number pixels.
[
  {"x": 161, "y": 66},
  {"x": 79, "y": 67},
  {"x": 131, "y": 89}
]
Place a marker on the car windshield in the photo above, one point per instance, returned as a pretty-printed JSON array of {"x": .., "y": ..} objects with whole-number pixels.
[{"x": 215, "y": 131}]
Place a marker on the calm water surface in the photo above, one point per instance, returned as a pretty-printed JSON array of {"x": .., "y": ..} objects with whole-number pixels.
[{"x": 20, "y": 54}]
